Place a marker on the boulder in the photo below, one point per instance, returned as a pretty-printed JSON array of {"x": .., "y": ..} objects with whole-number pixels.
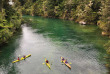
[
  {"x": 105, "y": 33},
  {"x": 82, "y": 22}
]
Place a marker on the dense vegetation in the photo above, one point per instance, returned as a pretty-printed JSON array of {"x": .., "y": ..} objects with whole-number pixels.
[
  {"x": 10, "y": 20},
  {"x": 82, "y": 11}
]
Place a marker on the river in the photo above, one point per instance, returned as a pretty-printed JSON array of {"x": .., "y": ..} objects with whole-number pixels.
[{"x": 51, "y": 38}]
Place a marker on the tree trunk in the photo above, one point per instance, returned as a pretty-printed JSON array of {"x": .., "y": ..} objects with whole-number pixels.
[{"x": 1, "y": 5}]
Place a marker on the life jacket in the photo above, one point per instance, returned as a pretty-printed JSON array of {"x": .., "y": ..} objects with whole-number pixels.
[
  {"x": 63, "y": 59},
  {"x": 66, "y": 61},
  {"x": 18, "y": 58},
  {"x": 24, "y": 56}
]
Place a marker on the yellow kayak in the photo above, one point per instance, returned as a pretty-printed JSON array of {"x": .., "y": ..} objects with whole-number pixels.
[
  {"x": 47, "y": 64},
  {"x": 67, "y": 64},
  {"x": 21, "y": 58}
]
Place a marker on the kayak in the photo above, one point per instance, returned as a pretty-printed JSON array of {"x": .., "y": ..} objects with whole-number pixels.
[
  {"x": 47, "y": 64},
  {"x": 67, "y": 64},
  {"x": 21, "y": 58}
]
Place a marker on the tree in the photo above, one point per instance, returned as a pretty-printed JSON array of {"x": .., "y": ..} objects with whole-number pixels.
[
  {"x": 1, "y": 5},
  {"x": 105, "y": 16}
]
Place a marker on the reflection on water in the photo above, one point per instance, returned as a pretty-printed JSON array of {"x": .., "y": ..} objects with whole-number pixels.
[{"x": 52, "y": 38}]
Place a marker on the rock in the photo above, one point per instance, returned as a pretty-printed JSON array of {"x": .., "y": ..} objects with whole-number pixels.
[
  {"x": 30, "y": 19},
  {"x": 71, "y": 19},
  {"x": 32, "y": 14},
  {"x": 107, "y": 65},
  {"x": 82, "y": 22},
  {"x": 104, "y": 33}
]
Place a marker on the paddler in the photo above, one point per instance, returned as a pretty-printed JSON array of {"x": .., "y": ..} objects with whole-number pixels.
[
  {"x": 47, "y": 61},
  {"x": 66, "y": 61},
  {"x": 24, "y": 56},
  {"x": 18, "y": 58},
  {"x": 63, "y": 59}
]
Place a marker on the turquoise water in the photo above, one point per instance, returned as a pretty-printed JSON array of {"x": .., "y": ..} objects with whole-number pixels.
[{"x": 51, "y": 38}]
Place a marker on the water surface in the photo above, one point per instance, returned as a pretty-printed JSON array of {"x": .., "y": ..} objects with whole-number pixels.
[{"x": 52, "y": 38}]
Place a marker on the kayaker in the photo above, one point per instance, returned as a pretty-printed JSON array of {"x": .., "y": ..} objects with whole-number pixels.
[
  {"x": 66, "y": 61},
  {"x": 63, "y": 59},
  {"x": 47, "y": 61},
  {"x": 18, "y": 58},
  {"x": 24, "y": 56}
]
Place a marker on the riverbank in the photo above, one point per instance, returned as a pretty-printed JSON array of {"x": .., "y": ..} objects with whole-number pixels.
[
  {"x": 10, "y": 20},
  {"x": 6, "y": 32},
  {"x": 83, "y": 12}
]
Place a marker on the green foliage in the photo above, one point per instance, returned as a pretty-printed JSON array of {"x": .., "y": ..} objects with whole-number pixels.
[
  {"x": 37, "y": 8},
  {"x": 104, "y": 23},
  {"x": 4, "y": 35},
  {"x": 66, "y": 9},
  {"x": 27, "y": 7},
  {"x": 107, "y": 46},
  {"x": 10, "y": 20},
  {"x": 88, "y": 12}
]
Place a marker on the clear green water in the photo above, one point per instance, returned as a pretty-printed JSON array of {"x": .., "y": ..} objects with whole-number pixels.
[{"x": 52, "y": 38}]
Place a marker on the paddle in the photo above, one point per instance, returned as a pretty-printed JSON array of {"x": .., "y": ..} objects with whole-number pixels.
[{"x": 43, "y": 63}]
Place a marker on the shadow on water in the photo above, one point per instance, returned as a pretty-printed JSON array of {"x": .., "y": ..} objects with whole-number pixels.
[
  {"x": 65, "y": 30},
  {"x": 6, "y": 55}
]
